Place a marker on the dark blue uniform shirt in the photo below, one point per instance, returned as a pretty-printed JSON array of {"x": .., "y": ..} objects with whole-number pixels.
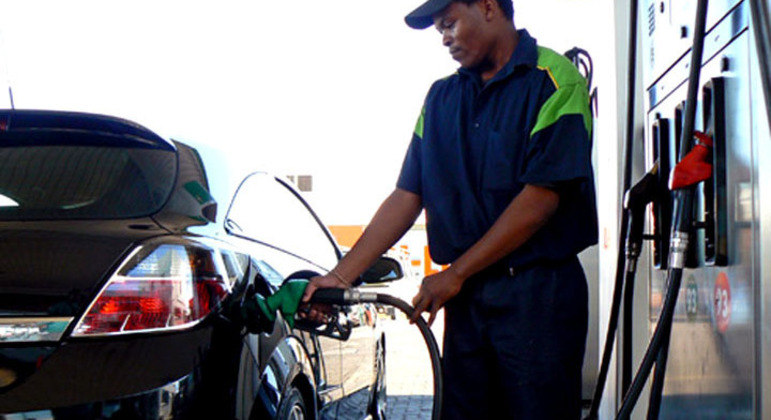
[{"x": 476, "y": 145}]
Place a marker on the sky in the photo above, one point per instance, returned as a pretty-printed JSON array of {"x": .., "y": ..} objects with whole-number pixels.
[{"x": 327, "y": 88}]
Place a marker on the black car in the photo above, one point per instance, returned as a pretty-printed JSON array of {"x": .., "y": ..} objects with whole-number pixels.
[{"x": 118, "y": 279}]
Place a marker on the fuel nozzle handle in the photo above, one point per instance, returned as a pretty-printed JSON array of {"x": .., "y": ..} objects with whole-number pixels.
[
  {"x": 636, "y": 199},
  {"x": 696, "y": 166},
  {"x": 332, "y": 296},
  {"x": 335, "y": 296}
]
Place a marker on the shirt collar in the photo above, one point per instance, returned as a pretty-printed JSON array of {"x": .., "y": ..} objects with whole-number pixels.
[{"x": 524, "y": 54}]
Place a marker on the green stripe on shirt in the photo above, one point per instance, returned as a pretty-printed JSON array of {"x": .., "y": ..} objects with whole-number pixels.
[
  {"x": 570, "y": 96},
  {"x": 419, "y": 124}
]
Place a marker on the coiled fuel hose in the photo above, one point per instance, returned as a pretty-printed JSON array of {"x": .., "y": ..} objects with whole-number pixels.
[{"x": 354, "y": 296}]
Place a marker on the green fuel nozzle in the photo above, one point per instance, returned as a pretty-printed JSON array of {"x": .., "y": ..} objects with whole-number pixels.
[{"x": 258, "y": 312}]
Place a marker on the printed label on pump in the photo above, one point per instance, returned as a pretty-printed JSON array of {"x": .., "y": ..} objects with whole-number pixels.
[
  {"x": 722, "y": 302},
  {"x": 691, "y": 298}
]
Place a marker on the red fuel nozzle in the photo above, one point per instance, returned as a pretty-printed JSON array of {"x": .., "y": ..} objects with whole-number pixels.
[{"x": 696, "y": 166}]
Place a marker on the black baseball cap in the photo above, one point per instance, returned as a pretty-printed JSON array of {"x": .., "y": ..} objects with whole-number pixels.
[{"x": 422, "y": 17}]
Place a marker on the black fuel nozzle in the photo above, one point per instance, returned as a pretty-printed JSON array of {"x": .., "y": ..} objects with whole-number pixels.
[
  {"x": 331, "y": 296},
  {"x": 645, "y": 191}
]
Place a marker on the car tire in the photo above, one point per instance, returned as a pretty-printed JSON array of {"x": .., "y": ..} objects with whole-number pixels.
[
  {"x": 293, "y": 406},
  {"x": 379, "y": 395}
]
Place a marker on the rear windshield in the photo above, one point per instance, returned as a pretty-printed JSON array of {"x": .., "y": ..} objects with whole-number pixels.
[{"x": 83, "y": 182}]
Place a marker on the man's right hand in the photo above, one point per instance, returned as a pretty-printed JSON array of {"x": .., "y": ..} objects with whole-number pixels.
[{"x": 320, "y": 312}]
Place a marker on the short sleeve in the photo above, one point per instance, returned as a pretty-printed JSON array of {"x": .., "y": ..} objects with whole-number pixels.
[
  {"x": 410, "y": 176},
  {"x": 559, "y": 147}
]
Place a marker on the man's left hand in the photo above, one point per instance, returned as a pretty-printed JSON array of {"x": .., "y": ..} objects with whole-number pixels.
[{"x": 435, "y": 291}]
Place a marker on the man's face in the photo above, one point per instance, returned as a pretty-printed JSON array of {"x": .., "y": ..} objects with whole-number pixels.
[{"x": 462, "y": 29}]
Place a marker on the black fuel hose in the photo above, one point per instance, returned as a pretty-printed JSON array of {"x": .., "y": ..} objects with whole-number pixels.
[
  {"x": 654, "y": 347},
  {"x": 654, "y": 402},
  {"x": 623, "y": 278},
  {"x": 636, "y": 200},
  {"x": 683, "y": 218},
  {"x": 353, "y": 296}
]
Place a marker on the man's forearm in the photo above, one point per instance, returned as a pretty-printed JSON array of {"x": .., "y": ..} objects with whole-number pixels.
[
  {"x": 392, "y": 220},
  {"x": 527, "y": 213}
]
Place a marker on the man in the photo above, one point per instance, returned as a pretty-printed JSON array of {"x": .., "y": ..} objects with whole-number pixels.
[{"x": 500, "y": 161}]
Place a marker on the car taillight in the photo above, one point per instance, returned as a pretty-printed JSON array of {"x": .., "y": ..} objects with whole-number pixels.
[{"x": 166, "y": 286}]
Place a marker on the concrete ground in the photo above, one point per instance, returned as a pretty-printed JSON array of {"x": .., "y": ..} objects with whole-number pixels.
[{"x": 409, "y": 380}]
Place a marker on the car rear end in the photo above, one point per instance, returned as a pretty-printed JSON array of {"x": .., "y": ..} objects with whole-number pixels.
[{"x": 105, "y": 303}]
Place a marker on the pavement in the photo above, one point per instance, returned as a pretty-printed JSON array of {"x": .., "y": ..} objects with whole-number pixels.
[{"x": 409, "y": 378}]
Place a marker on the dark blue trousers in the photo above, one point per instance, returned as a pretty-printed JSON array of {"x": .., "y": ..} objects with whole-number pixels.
[{"x": 514, "y": 345}]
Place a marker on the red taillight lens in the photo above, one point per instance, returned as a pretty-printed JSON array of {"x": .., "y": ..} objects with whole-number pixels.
[{"x": 159, "y": 287}]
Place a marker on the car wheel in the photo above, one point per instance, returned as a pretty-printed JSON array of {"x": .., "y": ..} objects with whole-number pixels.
[
  {"x": 292, "y": 407},
  {"x": 379, "y": 395}
]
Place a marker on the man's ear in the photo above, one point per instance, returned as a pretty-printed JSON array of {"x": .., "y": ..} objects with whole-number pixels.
[{"x": 489, "y": 9}]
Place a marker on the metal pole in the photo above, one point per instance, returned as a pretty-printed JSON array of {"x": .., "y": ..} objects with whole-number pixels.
[
  {"x": 623, "y": 227},
  {"x": 761, "y": 24}
]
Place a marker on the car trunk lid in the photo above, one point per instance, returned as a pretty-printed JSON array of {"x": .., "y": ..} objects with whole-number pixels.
[
  {"x": 76, "y": 190},
  {"x": 55, "y": 268}
]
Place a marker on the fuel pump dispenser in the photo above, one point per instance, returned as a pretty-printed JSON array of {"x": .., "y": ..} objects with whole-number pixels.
[{"x": 708, "y": 351}]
